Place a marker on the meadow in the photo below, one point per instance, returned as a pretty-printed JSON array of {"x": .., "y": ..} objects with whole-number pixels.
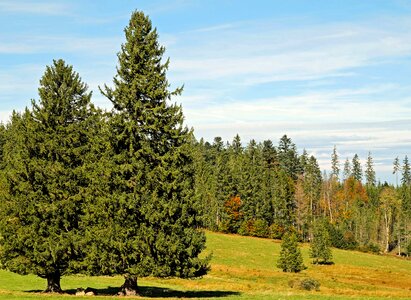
[{"x": 245, "y": 268}]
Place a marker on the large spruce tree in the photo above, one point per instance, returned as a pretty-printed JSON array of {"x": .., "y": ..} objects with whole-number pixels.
[
  {"x": 149, "y": 226},
  {"x": 44, "y": 157}
]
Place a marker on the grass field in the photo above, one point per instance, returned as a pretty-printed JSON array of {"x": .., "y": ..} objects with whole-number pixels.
[{"x": 244, "y": 268}]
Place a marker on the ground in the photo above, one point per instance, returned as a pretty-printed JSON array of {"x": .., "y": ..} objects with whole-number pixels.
[{"x": 245, "y": 268}]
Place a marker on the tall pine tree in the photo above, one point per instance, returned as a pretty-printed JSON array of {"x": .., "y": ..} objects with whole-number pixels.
[
  {"x": 152, "y": 212},
  {"x": 335, "y": 168}
]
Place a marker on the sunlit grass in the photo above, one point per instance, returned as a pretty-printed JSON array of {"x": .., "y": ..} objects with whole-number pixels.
[{"x": 244, "y": 268}]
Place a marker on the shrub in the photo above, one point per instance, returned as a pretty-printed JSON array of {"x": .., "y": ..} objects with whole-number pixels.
[
  {"x": 260, "y": 228},
  {"x": 307, "y": 284},
  {"x": 246, "y": 227},
  {"x": 340, "y": 239},
  {"x": 276, "y": 231},
  {"x": 369, "y": 248}
]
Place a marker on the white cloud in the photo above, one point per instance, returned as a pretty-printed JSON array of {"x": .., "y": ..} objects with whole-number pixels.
[
  {"x": 259, "y": 53},
  {"x": 34, "y": 7}
]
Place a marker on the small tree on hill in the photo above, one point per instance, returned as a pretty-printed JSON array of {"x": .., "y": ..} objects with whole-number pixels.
[
  {"x": 290, "y": 259},
  {"x": 320, "y": 250}
]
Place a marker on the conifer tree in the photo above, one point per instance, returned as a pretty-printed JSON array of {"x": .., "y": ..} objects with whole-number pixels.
[
  {"x": 356, "y": 168},
  {"x": 153, "y": 214},
  {"x": 335, "y": 169},
  {"x": 406, "y": 172},
  {"x": 369, "y": 171},
  {"x": 320, "y": 250},
  {"x": 284, "y": 205},
  {"x": 396, "y": 169},
  {"x": 288, "y": 157},
  {"x": 290, "y": 259},
  {"x": 45, "y": 152},
  {"x": 347, "y": 169}
]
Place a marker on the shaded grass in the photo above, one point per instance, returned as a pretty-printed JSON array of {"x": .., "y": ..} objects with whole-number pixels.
[{"x": 244, "y": 268}]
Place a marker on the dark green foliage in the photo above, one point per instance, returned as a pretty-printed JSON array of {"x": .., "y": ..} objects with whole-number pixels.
[
  {"x": 148, "y": 223},
  {"x": 406, "y": 172},
  {"x": 340, "y": 239},
  {"x": 290, "y": 259},
  {"x": 356, "y": 168},
  {"x": 284, "y": 201},
  {"x": 288, "y": 157},
  {"x": 369, "y": 171},
  {"x": 320, "y": 250},
  {"x": 45, "y": 179}
]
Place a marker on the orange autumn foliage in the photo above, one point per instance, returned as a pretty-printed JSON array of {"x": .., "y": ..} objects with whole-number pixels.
[
  {"x": 232, "y": 208},
  {"x": 351, "y": 193}
]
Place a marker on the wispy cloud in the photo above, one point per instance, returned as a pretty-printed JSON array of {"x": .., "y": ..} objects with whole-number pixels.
[
  {"x": 62, "y": 44},
  {"x": 263, "y": 53},
  {"x": 34, "y": 7}
]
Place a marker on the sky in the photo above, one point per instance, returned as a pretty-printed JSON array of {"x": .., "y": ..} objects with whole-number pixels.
[{"x": 324, "y": 72}]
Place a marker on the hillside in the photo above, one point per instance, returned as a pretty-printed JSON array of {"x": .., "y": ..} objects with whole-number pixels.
[{"x": 244, "y": 268}]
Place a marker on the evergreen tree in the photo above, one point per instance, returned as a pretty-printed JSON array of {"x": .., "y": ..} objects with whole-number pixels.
[
  {"x": 283, "y": 200},
  {"x": 288, "y": 157},
  {"x": 290, "y": 259},
  {"x": 269, "y": 154},
  {"x": 347, "y": 169},
  {"x": 320, "y": 250},
  {"x": 396, "y": 169},
  {"x": 335, "y": 169},
  {"x": 369, "y": 171},
  {"x": 45, "y": 152},
  {"x": 406, "y": 172},
  {"x": 153, "y": 212},
  {"x": 356, "y": 168}
]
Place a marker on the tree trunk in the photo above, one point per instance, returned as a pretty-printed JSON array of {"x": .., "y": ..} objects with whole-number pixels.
[
  {"x": 387, "y": 233},
  {"x": 53, "y": 283},
  {"x": 129, "y": 288}
]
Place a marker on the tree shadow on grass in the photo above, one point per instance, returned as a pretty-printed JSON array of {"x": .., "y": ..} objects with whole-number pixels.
[{"x": 157, "y": 292}]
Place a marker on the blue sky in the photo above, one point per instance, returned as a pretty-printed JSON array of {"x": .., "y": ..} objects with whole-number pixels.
[{"x": 323, "y": 72}]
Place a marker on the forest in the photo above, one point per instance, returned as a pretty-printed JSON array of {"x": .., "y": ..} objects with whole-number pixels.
[
  {"x": 130, "y": 191},
  {"x": 261, "y": 189}
]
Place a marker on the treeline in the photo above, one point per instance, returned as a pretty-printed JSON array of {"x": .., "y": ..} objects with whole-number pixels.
[{"x": 262, "y": 189}]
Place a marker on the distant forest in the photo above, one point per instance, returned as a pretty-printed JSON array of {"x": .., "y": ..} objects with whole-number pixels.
[{"x": 262, "y": 189}]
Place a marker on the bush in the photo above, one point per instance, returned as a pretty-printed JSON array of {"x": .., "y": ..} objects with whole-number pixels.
[
  {"x": 307, "y": 284},
  {"x": 246, "y": 227},
  {"x": 341, "y": 240},
  {"x": 260, "y": 228},
  {"x": 370, "y": 248},
  {"x": 276, "y": 231}
]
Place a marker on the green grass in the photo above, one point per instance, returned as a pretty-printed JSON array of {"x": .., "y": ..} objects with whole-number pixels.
[{"x": 244, "y": 268}]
